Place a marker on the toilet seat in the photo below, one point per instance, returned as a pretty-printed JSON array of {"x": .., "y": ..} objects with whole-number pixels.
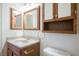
[{"x": 55, "y": 52}]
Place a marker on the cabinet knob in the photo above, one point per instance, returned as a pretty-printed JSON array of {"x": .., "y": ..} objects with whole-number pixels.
[{"x": 27, "y": 52}]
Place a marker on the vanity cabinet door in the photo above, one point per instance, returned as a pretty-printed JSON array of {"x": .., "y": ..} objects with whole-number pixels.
[
  {"x": 12, "y": 50},
  {"x": 9, "y": 52},
  {"x": 48, "y": 11}
]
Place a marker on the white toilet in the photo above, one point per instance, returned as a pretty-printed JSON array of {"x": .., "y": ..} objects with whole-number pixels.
[{"x": 55, "y": 52}]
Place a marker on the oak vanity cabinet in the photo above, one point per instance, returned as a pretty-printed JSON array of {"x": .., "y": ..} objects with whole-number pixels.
[
  {"x": 32, "y": 50},
  {"x": 59, "y": 17}
]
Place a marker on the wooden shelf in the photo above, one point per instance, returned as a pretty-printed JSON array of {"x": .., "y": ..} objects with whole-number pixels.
[
  {"x": 59, "y": 19},
  {"x": 64, "y": 26},
  {"x": 59, "y": 31}
]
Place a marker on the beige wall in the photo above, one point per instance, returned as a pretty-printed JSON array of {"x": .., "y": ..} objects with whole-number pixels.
[{"x": 69, "y": 42}]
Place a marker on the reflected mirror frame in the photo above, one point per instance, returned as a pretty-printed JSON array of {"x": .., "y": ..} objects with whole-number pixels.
[
  {"x": 38, "y": 19},
  {"x": 11, "y": 21}
]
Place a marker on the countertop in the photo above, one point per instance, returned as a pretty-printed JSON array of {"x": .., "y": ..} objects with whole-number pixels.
[{"x": 23, "y": 41}]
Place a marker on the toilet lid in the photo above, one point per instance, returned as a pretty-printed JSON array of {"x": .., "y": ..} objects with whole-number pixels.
[{"x": 55, "y": 52}]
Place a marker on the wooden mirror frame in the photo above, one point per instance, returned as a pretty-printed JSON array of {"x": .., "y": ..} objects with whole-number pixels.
[
  {"x": 12, "y": 23},
  {"x": 38, "y": 19}
]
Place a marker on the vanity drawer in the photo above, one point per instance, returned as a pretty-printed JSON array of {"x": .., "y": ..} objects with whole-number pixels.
[{"x": 32, "y": 50}]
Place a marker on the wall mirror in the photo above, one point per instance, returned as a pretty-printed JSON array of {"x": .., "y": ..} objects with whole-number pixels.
[
  {"x": 32, "y": 19},
  {"x": 16, "y": 19}
]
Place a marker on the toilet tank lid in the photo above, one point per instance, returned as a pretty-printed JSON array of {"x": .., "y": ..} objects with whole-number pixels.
[{"x": 55, "y": 52}]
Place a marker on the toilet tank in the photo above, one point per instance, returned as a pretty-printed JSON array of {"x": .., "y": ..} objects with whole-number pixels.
[{"x": 55, "y": 52}]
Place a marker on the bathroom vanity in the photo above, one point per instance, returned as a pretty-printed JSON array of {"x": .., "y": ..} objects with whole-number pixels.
[{"x": 23, "y": 47}]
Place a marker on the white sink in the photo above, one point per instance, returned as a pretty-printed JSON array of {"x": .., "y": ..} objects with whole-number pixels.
[{"x": 22, "y": 42}]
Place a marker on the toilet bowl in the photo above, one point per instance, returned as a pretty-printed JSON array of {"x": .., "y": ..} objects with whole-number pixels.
[{"x": 55, "y": 52}]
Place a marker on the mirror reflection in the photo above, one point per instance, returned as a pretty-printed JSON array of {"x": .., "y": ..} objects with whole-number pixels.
[
  {"x": 16, "y": 19},
  {"x": 31, "y": 19}
]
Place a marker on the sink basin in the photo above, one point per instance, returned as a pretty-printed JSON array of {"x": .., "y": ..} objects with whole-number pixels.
[
  {"x": 23, "y": 41},
  {"x": 20, "y": 41}
]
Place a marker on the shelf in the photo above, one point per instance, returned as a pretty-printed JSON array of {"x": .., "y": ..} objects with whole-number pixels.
[
  {"x": 65, "y": 26},
  {"x": 59, "y": 19},
  {"x": 54, "y": 31}
]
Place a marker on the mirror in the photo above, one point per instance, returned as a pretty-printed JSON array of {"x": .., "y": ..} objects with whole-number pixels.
[
  {"x": 29, "y": 20},
  {"x": 32, "y": 19},
  {"x": 16, "y": 19}
]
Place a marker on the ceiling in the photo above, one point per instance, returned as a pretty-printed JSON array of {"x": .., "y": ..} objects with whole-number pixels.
[{"x": 22, "y": 7}]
